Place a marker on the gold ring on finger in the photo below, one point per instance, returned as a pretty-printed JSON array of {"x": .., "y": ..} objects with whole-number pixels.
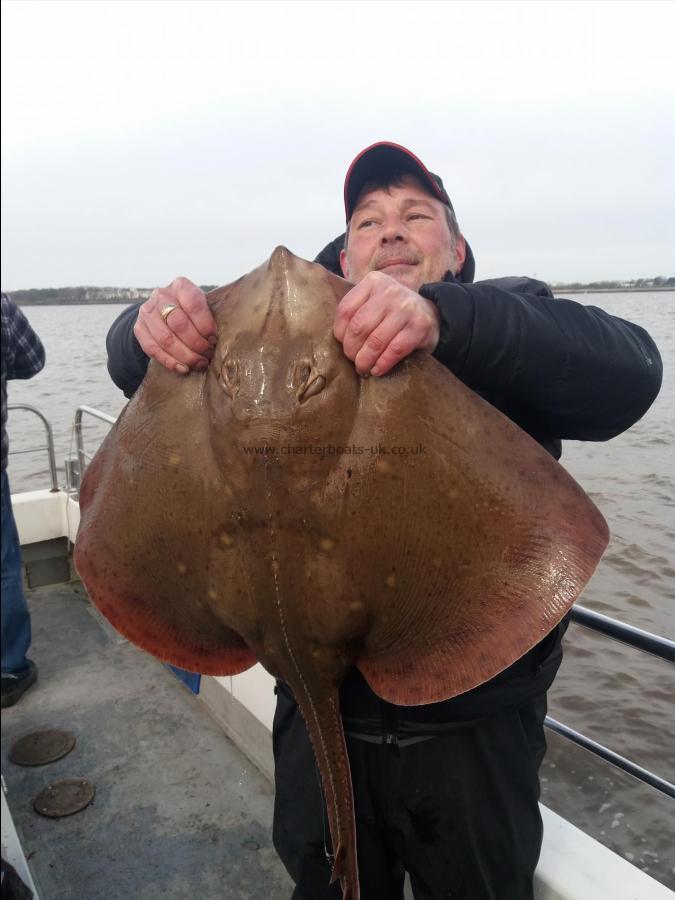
[{"x": 166, "y": 311}]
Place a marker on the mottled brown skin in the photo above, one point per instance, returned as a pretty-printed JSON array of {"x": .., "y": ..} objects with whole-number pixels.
[{"x": 431, "y": 572}]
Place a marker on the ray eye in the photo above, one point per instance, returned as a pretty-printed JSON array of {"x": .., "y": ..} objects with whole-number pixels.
[
  {"x": 315, "y": 386},
  {"x": 230, "y": 376},
  {"x": 304, "y": 374}
]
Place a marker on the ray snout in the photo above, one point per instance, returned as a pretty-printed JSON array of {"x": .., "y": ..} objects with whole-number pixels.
[{"x": 281, "y": 258}]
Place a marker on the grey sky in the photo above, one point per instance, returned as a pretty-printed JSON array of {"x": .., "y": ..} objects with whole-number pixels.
[{"x": 142, "y": 140}]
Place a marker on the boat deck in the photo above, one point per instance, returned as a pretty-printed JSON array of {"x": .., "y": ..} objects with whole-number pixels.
[{"x": 179, "y": 811}]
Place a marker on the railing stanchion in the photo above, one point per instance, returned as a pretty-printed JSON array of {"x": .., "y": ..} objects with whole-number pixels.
[
  {"x": 79, "y": 440},
  {"x": 50, "y": 441}
]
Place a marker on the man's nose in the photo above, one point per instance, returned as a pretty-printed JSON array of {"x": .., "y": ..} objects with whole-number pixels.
[{"x": 394, "y": 230}]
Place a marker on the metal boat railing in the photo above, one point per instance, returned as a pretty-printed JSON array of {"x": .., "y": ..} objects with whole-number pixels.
[
  {"x": 627, "y": 634},
  {"x": 77, "y": 467},
  {"x": 49, "y": 447},
  {"x": 641, "y": 640},
  {"x": 74, "y": 467}
]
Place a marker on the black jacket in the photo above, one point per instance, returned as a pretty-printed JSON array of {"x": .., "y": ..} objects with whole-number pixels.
[{"x": 559, "y": 369}]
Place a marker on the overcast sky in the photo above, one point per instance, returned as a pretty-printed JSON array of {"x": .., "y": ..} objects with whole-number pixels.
[{"x": 143, "y": 140}]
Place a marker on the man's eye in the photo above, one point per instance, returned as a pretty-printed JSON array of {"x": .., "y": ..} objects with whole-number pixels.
[
  {"x": 366, "y": 223},
  {"x": 418, "y": 216}
]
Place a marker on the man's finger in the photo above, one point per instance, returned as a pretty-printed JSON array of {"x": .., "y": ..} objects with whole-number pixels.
[
  {"x": 170, "y": 363},
  {"x": 192, "y": 300},
  {"x": 154, "y": 351},
  {"x": 159, "y": 342},
  {"x": 183, "y": 327},
  {"x": 364, "y": 344},
  {"x": 352, "y": 301},
  {"x": 376, "y": 342},
  {"x": 418, "y": 332},
  {"x": 164, "y": 337},
  {"x": 403, "y": 344}
]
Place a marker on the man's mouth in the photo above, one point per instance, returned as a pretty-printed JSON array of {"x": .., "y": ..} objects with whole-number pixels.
[{"x": 396, "y": 261}]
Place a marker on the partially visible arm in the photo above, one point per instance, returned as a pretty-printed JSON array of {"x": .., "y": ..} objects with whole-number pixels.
[
  {"x": 588, "y": 375},
  {"x": 127, "y": 363},
  {"x": 22, "y": 348}
]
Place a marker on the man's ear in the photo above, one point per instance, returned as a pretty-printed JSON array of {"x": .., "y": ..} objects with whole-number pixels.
[
  {"x": 343, "y": 264},
  {"x": 460, "y": 252}
]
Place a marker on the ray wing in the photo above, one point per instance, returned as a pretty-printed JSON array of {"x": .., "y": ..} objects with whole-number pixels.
[
  {"x": 150, "y": 547},
  {"x": 477, "y": 545}
]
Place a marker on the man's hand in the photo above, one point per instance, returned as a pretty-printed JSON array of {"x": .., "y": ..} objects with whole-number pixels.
[
  {"x": 379, "y": 322},
  {"x": 184, "y": 339}
]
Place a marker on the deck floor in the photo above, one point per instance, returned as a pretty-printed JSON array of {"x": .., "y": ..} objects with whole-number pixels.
[{"x": 179, "y": 812}]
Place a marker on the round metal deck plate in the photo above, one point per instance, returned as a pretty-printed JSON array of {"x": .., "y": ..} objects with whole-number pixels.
[
  {"x": 41, "y": 747},
  {"x": 65, "y": 797}
]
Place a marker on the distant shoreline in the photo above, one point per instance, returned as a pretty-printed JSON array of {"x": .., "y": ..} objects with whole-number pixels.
[
  {"x": 85, "y": 296},
  {"x": 618, "y": 290},
  {"x": 110, "y": 302},
  {"x": 127, "y": 301}
]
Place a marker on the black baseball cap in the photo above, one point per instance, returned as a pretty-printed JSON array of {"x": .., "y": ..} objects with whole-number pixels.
[{"x": 380, "y": 159}]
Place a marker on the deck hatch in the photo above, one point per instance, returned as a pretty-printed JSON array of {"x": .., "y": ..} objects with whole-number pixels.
[
  {"x": 41, "y": 747},
  {"x": 64, "y": 797}
]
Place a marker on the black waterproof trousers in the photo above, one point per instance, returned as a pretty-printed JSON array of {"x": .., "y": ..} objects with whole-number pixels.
[{"x": 458, "y": 812}]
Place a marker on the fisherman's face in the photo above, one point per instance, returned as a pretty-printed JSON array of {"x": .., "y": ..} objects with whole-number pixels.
[{"x": 401, "y": 231}]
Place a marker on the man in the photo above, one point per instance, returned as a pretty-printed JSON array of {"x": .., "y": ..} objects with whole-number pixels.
[
  {"x": 22, "y": 357},
  {"x": 449, "y": 791}
]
